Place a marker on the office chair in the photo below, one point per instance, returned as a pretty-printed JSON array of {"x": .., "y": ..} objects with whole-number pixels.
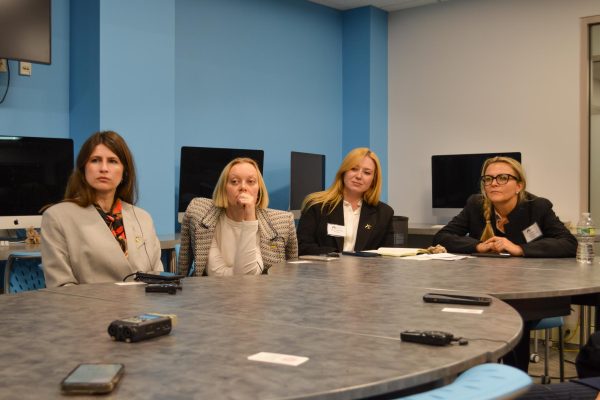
[
  {"x": 400, "y": 225},
  {"x": 23, "y": 272},
  {"x": 483, "y": 382},
  {"x": 547, "y": 324}
]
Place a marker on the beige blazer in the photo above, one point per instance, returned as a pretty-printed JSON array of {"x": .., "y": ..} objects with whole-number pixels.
[
  {"x": 78, "y": 247},
  {"x": 276, "y": 230}
]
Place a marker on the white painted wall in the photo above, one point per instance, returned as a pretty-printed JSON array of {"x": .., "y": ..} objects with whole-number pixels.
[{"x": 478, "y": 76}]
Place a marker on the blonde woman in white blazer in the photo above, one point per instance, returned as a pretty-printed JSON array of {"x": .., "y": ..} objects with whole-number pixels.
[{"x": 96, "y": 234}]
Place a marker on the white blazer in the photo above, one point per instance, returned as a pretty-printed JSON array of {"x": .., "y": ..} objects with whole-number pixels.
[{"x": 78, "y": 247}]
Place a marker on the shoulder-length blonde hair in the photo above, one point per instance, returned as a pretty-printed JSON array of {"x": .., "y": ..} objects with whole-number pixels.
[
  {"x": 79, "y": 190},
  {"x": 220, "y": 193},
  {"x": 332, "y": 196},
  {"x": 519, "y": 173}
]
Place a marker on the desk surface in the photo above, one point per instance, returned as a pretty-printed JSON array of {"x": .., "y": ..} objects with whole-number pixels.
[
  {"x": 167, "y": 242},
  {"x": 349, "y": 329}
]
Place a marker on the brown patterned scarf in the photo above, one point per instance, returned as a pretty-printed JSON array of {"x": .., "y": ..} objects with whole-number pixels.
[{"x": 114, "y": 220}]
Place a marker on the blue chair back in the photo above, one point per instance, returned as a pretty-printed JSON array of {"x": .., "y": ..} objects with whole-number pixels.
[
  {"x": 23, "y": 272},
  {"x": 483, "y": 382}
]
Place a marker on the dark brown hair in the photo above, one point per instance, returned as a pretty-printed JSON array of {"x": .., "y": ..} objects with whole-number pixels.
[{"x": 79, "y": 190}]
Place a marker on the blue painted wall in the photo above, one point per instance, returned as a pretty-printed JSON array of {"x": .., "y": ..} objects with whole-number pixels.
[
  {"x": 84, "y": 82},
  {"x": 39, "y": 105},
  {"x": 260, "y": 74},
  {"x": 137, "y": 94},
  {"x": 265, "y": 74},
  {"x": 365, "y": 83}
]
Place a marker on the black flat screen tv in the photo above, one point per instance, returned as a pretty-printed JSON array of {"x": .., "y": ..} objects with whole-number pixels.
[
  {"x": 33, "y": 173},
  {"x": 307, "y": 175},
  {"x": 455, "y": 177},
  {"x": 25, "y": 30},
  {"x": 201, "y": 167}
]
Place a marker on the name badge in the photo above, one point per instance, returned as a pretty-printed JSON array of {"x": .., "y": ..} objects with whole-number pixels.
[
  {"x": 336, "y": 230},
  {"x": 532, "y": 232}
]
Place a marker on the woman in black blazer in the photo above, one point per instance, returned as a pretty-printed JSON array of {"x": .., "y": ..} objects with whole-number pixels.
[
  {"x": 505, "y": 218},
  {"x": 348, "y": 216}
]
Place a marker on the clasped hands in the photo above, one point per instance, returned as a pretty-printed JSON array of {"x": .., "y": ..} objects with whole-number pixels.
[{"x": 498, "y": 244}]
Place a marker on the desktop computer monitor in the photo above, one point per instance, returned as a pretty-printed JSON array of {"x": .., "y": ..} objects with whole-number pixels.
[
  {"x": 33, "y": 173},
  {"x": 307, "y": 175}
]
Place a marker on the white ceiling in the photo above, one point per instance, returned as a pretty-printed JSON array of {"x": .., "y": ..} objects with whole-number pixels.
[{"x": 387, "y": 5}]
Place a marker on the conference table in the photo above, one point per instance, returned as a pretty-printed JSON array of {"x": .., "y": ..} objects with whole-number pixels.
[{"x": 344, "y": 316}]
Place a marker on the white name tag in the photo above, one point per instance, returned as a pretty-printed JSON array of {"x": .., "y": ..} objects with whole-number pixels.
[
  {"x": 276, "y": 358},
  {"x": 532, "y": 232},
  {"x": 462, "y": 310},
  {"x": 336, "y": 230}
]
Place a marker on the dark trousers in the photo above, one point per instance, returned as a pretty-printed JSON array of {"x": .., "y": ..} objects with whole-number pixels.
[{"x": 519, "y": 356}]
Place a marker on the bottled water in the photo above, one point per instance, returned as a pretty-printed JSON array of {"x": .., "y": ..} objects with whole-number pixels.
[{"x": 585, "y": 239}]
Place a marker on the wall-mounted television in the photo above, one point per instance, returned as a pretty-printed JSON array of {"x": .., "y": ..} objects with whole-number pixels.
[
  {"x": 25, "y": 30},
  {"x": 33, "y": 173},
  {"x": 454, "y": 177},
  {"x": 307, "y": 175},
  {"x": 200, "y": 168}
]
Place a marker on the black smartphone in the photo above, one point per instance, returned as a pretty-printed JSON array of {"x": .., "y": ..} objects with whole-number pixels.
[
  {"x": 92, "y": 379},
  {"x": 360, "y": 254},
  {"x": 495, "y": 255},
  {"x": 457, "y": 299}
]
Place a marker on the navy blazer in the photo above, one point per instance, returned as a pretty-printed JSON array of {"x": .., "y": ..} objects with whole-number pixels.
[
  {"x": 375, "y": 229},
  {"x": 462, "y": 234}
]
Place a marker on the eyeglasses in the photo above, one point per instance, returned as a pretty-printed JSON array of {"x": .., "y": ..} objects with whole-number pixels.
[{"x": 501, "y": 179}]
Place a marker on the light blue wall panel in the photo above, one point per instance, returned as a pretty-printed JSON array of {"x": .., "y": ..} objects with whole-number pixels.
[
  {"x": 39, "y": 105},
  {"x": 365, "y": 83},
  {"x": 137, "y": 94},
  {"x": 261, "y": 74}
]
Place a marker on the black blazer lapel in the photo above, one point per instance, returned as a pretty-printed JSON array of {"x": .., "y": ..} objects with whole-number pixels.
[{"x": 366, "y": 226}]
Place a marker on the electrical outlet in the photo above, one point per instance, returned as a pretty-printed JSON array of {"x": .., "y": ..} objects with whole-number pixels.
[
  {"x": 3, "y": 65},
  {"x": 24, "y": 68}
]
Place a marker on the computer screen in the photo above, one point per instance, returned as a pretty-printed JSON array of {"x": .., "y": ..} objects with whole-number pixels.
[
  {"x": 25, "y": 30},
  {"x": 33, "y": 173},
  {"x": 201, "y": 167},
  {"x": 454, "y": 177},
  {"x": 307, "y": 175}
]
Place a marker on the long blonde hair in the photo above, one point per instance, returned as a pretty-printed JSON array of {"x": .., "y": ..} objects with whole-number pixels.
[
  {"x": 332, "y": 196},
  {"x": 220, "y": 192},
  {"x": 519, "y": 172}
]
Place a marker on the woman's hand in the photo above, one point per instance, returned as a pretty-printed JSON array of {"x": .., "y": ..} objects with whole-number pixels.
[
  {"x": 499, "y": 244},
  {"x": 248, "y": 204}
]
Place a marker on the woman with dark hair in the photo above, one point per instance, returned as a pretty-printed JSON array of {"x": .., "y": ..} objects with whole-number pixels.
[
  {"x": 348, "y": 215},
  {"x": 96, "y": 234}
]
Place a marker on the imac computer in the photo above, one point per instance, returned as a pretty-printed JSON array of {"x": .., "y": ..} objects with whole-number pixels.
[
  {"x": 201, "y": 167},
  {"x": 33, "y": 173},
  {"x": 455, "y": 177},
  {"x": 307, "y": 175}
]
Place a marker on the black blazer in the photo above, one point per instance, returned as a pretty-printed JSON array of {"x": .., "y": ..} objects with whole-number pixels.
[
  {"x": 375, "y": 229},
  {"x": 556, "y": 240}
]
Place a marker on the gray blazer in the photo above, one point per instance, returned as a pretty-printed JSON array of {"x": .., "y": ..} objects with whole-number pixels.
[
  {"x": 78, "y": 247},
  {"x": 276, "y": 230}
]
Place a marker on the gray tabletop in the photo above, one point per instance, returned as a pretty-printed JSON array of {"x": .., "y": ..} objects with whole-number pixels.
[{"x": 349, "y": 329}]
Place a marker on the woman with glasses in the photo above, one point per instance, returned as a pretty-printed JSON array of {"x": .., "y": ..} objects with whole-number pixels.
[{"x": 505, "y": 218}]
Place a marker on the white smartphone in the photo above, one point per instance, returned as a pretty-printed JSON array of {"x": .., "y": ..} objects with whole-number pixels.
[{"x": 92, "y": 378}]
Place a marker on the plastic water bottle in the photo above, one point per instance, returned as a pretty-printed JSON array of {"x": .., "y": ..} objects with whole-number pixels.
[{"x": 585, "y": 239}]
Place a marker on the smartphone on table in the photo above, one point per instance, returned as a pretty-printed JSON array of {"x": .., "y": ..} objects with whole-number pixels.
[{"x": 92, "y": 379}]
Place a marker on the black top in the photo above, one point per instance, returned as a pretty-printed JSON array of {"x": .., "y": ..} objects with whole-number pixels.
[
  {"x": 462, "y": 234},
  {"x": 375, "y": 229}
]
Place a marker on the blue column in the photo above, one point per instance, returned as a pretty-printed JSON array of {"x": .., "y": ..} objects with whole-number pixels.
[{"x": 365, "y": 99}]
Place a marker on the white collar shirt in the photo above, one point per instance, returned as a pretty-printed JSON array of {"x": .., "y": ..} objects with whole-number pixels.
[{"x": 351, "y": 219}]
